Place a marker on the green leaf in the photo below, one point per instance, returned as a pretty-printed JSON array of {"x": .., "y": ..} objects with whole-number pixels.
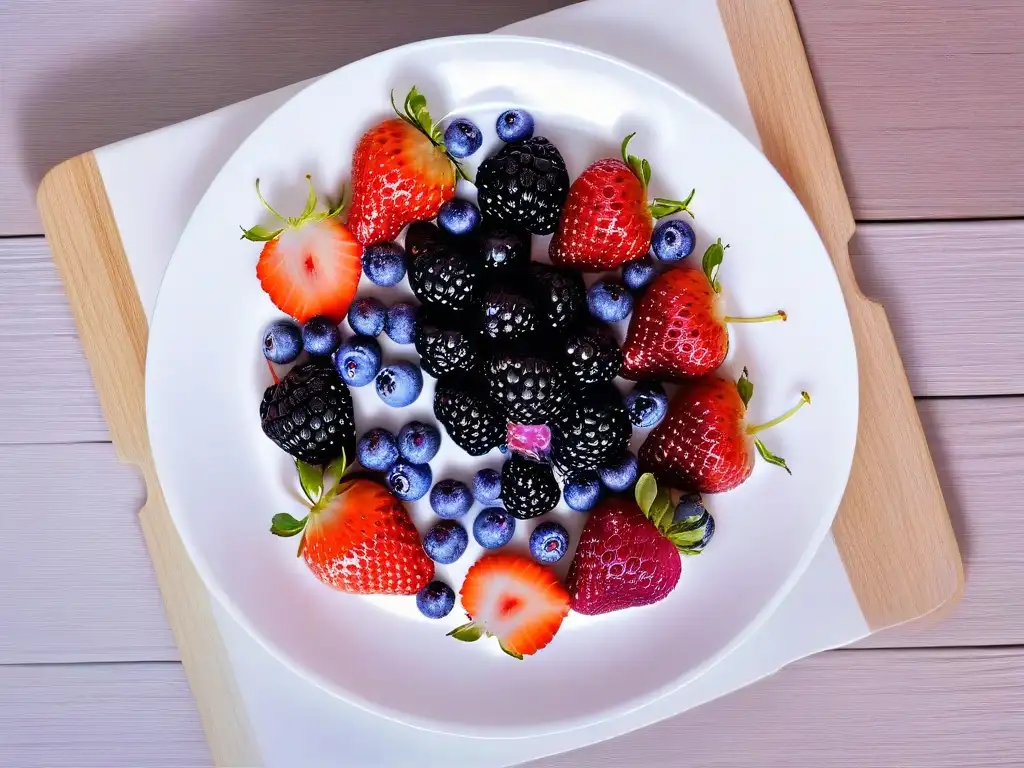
[
  {"x": 662, "y": 509},
  {"x": 284, "y": 524},
  {"x": 467, "y": 633},
  {"x": 646, "y": 492},
  {"x": 640, "y": 167},
  {"x": 260, "y": 234},
  {"x": 310, "y": 200},
  {"x": 511, "y": 653},
  {"x": 337, "y": 467},
  {"x": 311, "y": 478},
  {"x": 712, "y": 260},
  {"x": 662, "y": 207},
  {"x": 646, "y": 168},
  {"x": 745, "y": 387},
  {"x": 770, "y": 457},
  {"x": 415, "y": 103}
]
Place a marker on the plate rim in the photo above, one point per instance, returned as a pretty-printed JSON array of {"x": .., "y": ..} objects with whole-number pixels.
[{"x": 433, "y": 725}]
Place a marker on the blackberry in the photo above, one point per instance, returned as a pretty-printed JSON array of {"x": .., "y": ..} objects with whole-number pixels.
[
  {"x": 507, "y": 314},
  {"x": 526, "y": 183},
  {"x": 502, "y": 247},
  {"x": 444, "y": 346},
  {"x": 424, "y": 237},
  {"x": 590, "y": 356},
  {"x": 528, "y": 389},
  {"x": 473, "y": 421},
  {"x": 444, "y": 279},
  {"x": 309, "y": 414},
  {"x": 528, "y": 488},
  {"x": 593, "y": 431},
  {"x": 560, "y": 294}
]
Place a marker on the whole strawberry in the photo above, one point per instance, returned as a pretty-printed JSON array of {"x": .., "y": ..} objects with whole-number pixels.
[
  {"x": 357, "y": 536},
  {"x": 629, "y": 552},
  {"x": 607, "y": 220},
  {"x": 401, "y": 173},
  {"x": 678, "y": 329},
  {"x": 704, "y": 442}
]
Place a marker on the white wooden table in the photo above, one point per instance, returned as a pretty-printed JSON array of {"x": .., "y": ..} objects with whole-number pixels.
[{"x": 925, "y": 100}]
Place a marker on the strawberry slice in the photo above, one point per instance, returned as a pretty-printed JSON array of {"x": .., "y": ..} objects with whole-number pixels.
[
  {"x": 514, "y": 599},
  {"x": 311, "y": 265}
]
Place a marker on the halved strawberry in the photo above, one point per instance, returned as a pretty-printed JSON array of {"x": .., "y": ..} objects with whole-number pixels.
[
  {"x": 311, "y": 265},
  {"x": 514, "y": 599}
]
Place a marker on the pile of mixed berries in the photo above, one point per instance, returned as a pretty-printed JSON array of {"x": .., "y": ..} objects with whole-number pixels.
[{"x": 526, "y": 359}]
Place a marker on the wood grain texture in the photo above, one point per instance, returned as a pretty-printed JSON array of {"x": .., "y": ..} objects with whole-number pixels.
[
  {"x": 883, "y": 709},
  {"x": 925, "y": 101},
  {"x": 912, "y": 567},
  {"x": 88, "y": 252}
]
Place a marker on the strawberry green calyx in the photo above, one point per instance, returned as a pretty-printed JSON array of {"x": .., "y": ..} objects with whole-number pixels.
[
  {"x": 414, "y": 112},
  {"x": 309, "y": 215},
  {"x": 660, "y": 207},
  {"x": 746, "y": 390},
  {"x": 689, "y": 535},
  {"x": 471, "y": 632},
  {"x": 710, "y": 264},
  {"x": 320, "y": 486}
]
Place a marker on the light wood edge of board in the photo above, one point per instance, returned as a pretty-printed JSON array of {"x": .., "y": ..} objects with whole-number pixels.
[
  {"x": 86, "y": 245},
  {"x": 892, "y": 530}
]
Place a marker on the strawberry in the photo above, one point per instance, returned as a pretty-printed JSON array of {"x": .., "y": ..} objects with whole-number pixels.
[
  {"x": 401, "y": 173},
  {"x": 629, "y": 551},
  {"x": 607, "y": 220},
  {"x": 357, "y": 536},
  {"x": 704, "y": 442},
  {"x": 311, "y": 265},
  {"x": 514, "y": 599},
  {"x": 678, "y": 329}
]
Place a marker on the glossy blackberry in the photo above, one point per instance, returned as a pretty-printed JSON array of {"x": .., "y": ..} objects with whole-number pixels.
[
  {"x": 444, "y": 279},
  {"x": 444, "y": 346},
  {"x": 502, "y": 247},
  {"x": 424, "y": 237},
  {"x": 593, "y": 431},
  {"x": 506, "y": 314},
  {"x": 560, "y": 294},
  {"x": 528, "y": 488},
  {"x": 528, "y": 389},
  {"x": 589, "y": 356},
  {"x": 525, "y": 183},
  {"x": 309, "y": 414},
  {"x": 473, "y": 421}
]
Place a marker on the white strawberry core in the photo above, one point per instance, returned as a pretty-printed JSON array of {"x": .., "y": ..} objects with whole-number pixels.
[
  {"x": 508, "y": 604},
  {"x": 303, "y": 252}
]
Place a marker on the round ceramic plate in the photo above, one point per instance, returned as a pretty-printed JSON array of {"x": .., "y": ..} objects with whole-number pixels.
[{"x": 224, "y": 480}]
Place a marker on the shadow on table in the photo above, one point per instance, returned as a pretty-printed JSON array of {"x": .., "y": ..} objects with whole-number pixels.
[{"x": 208, "y": 55}]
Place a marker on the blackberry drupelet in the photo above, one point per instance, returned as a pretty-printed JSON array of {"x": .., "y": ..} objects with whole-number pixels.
[
  {"x": 444, "y": 279},
  {"x": 309, "y": 414},
  {"x": 473, "y": 421},
  {"x": 593, "y": 431},
  {"x": 528, "y": 389},
  {"x": 528, "y": 488},
  {"x": 525, "y": 183},
  {"x": 506, "y": 314},
  {"x": 589, "y": 356}
]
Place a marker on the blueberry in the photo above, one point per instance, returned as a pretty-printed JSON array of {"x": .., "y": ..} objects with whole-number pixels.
[
  {"x": 697, "y": 522},
  {"x": 384, "y": 264},
  {"x": 487, "y": 485},
  {"x": 320, "y": 336},
  {"x": 493, "y": 528},
  {"x": 377, "y": 450},
  {"x": 358, "y": 360},
  {"x": 621, "y": 475},
  {"x": 646, "y": 404},
  {"x": 638, "y": 273},
  {"x": 582, "y": 490},
  {"x": 282, "y": 342},
  {"x": 436, "y": 600},
  {"x": 688, "y": 507},
  {"x": 445, "y": 542},
  {"x": 400, "y": 384},
  {"x": 409, "y": 482},
  {"x": 418, "y": 442},
  {"x": 400, "y": 323},
  {"x": 366, "y": 316},
  {"x": 458, "y": 217},
  {"x": 673, "y": 240},
  {"x": 514, "y": 125},
  {"x": 548, "y": 542},
  {"x": 609, "y": 302},
  {"x": 462, "y": 138},
  {"x": 450, "y": 499}
]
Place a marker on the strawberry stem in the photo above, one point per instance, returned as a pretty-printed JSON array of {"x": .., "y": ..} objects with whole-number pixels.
[
  {"x": 267, "y": 205},
  {"x": 780, "y": 315},
  {"x": 805, "y": 399}
]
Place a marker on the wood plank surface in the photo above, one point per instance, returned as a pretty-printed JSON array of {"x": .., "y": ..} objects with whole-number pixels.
[
  {"x": 84, "y": 590},
  {"x": 925, "y": 101},
  {"x": 841, "y": 709}
]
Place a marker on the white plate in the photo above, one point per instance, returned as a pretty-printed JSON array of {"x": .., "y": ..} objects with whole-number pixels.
[{"x": 223, "y": 480}]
